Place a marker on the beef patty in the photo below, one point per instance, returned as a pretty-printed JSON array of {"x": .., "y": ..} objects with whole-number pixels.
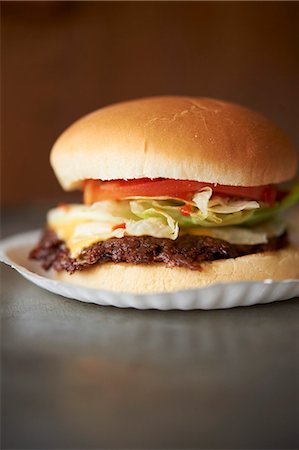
[{"x": 186, "y": 251}]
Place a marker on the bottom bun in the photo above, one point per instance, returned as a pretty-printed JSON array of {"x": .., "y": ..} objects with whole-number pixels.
[{"x": 142, "y": 278}]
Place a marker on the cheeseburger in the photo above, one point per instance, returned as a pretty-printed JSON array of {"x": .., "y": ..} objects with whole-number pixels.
[{"x": 179, "y": 192}]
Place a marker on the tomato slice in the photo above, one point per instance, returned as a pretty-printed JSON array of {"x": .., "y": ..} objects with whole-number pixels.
[{"x": 96, "y": 190}]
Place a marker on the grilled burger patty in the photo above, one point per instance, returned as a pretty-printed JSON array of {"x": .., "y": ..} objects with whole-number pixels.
[{"x": 187, "y": 251}]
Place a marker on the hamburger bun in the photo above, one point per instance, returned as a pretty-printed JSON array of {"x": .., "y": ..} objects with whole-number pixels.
[
  {"x": 144, "y": 279},
  {"x": 185, "y": 138}
]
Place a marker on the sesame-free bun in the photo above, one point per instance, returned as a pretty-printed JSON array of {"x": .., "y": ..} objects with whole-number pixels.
[
  {"x": 186, "y": 138},
  {"x": 122, "y": 277}
]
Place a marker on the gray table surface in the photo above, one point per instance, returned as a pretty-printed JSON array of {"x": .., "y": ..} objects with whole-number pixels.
[{"x": 80, "y": 376}]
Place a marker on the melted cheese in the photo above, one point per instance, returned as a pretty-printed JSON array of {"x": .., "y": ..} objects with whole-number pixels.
[{"x": 79, "y": 235}]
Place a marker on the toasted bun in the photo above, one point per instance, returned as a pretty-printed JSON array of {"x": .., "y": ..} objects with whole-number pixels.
[
  {"x": 141, "y": 279},
  {"x": 186, "y": 138}
]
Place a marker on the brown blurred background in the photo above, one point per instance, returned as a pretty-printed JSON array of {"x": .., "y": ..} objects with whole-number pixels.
[{"x": 60, "y": 60}]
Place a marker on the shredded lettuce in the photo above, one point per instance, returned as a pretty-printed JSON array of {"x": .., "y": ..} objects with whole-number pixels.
[
  {"x": 202, "y": 200},
  {"x": 250, "y": 235},
  {"x": 266, "y": 213},
  {"x": 204, "y": 210},
  {"x": 148, "y": 212},
  {"x": 214, "y": 211},
  {"x": 154, "y": 226},
  {"x": 165, "y": 217}
]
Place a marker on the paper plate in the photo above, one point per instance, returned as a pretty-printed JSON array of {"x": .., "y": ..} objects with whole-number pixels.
[{"x": 14, "y": 252}]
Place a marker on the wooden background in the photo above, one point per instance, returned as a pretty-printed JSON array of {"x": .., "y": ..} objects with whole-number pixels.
[{"x": 60, "y": 60}]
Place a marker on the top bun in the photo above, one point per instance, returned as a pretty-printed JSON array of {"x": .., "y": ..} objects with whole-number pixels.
[{"x": 183, "y": 138}]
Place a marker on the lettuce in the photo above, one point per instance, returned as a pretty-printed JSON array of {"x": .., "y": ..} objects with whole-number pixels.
[
  {"x": 216, "y": 211},
  {"x": 250, "y": 235},
  {"x": 204, "y": 211},
  {"x": 230, "y": 218},
  {"x": 161, "y": 227},
  {"x": 266, "y": 213}
]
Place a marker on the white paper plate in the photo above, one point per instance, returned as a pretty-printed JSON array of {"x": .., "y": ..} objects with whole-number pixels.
[{"x": 14, "y": 252}]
